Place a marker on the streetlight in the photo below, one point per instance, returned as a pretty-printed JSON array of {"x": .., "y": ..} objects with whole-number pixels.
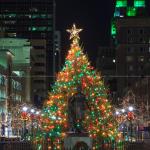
[
  {"x": 32, "y": 110},
  {"x": 123, "y": 110},
  {"x": 32, "y": 115},
  {"x": 117, "y": 112},
  {"x": 25, "y": 108},
  {"x": 37, "y": 113},
  {"x": 37, "y": 118},
  {"x": 130, "y": 108}
]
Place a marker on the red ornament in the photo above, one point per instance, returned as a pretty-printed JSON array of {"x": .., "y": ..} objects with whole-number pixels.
[
  {"x": 130, "y": 116},
  {"x": 24, "y": 116}
]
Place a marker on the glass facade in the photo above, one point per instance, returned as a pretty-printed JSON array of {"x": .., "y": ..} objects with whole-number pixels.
[
  {"x": 2, "y": 80},
  {"x": 2, "y": 90},
  {"x": 18, "y": 97},
  {"x": 16, "y": 85},
  {"x": 2, "y": 95}
]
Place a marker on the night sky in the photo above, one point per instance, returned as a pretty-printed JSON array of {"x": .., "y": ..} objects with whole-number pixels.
[{"x": 93, "y": 16}]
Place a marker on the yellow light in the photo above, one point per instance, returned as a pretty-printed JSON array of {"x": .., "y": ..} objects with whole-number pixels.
[{"x": 58, "y": 147}]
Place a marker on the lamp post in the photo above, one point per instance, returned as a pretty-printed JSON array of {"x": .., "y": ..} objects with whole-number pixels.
[
  {"x": 123, "y": 114},
  {"x": 24, "y": 118},
  {"x": 32, "y": 111},
  {"x": 37, "y": 119},
  {"x": 130, "y": 118},
  {"x": 123, "y": 126}
]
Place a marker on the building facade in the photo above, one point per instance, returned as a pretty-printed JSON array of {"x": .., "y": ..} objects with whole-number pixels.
[
  {"x": 106, "y": 63},
  {"x": 34, "y": 20},
  {"x": 130, "y": 32},
  {"x": 127, "y": 57},
  {"x": 57, "y": 41},
  {"x": 18, "y": 67}
]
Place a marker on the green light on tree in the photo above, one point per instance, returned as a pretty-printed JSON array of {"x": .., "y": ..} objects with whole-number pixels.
[
  {"x": 139, "y": 3},
  {"x": 131, "y": 11},
  {"x": 121, "y": 3}
]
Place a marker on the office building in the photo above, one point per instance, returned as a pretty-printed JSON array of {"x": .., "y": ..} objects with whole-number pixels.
[
  {"x": 130, "y": 32},
  {"x": 57, "y": 41},
  {"x": 106, "y": 64},
  {"x": 33, "y": 20}
]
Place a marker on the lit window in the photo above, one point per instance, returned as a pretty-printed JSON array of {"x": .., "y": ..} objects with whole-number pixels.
[
  {"x": 9, "y": 15},
  {"x": 129, "y": 58},
  {"x": 131, "y": 11},
  {"x": 34, "y": 16},
  {"x": 130, "y": 68},
  {"x": 113, "y": 29},
  {"x": 139, "y": 3},
  {"x": 117, "y": 13},
  {"x": 2, "y": 94},
  {"x": 2, "y": 80},
  {"x": 114, "y": 61},
  {"x": 121, "y": 3},
  {"x": 40, "y": 29},
  {"x": 141, "y": 59}
]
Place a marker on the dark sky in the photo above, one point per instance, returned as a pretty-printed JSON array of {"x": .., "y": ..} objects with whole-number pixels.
[{"x": 92, "y": 15}]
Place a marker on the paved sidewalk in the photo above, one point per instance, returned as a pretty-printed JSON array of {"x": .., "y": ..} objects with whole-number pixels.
[{"x": 146, "y": 144}]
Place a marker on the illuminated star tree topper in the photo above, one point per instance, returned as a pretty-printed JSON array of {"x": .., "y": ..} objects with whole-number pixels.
[{"x": 74, "y": 33}]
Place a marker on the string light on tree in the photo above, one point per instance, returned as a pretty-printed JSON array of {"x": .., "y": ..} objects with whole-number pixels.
[{"x": 99, "y": 121}]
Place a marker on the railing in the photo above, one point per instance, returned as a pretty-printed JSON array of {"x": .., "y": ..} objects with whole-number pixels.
[
  {"x": 26, "y": 145},
  {"x": 15, "y": 145}
]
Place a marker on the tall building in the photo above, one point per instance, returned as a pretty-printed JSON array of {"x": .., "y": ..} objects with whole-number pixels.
[
  {"x": 57, "y": 41},
  {"x": 130, "y": 32},
  {"x": 106, "y": 64},
  {"x": 34, "y": 20}
]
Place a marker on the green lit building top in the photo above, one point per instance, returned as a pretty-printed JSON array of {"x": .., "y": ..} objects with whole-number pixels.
[
  {"x": 127, "y": 8},
  {"x": 130, "y": 34}
]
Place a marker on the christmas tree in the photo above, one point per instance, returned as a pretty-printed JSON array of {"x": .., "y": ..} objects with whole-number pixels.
[{"x": 98, "y": 121}]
